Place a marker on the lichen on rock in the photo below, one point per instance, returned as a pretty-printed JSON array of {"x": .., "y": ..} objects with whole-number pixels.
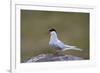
[{"x": 51, "y": 57}]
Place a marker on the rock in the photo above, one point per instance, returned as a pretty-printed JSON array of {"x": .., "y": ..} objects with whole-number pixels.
[{"x": 51, "y": 57}]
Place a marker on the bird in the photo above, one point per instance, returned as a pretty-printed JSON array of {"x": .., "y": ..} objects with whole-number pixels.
[{"x": 54, "y": 42}]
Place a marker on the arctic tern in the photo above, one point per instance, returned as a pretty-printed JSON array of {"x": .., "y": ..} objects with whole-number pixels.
[{"x": 57, "y": 44}]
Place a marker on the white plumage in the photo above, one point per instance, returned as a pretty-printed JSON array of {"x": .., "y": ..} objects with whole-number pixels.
[{"x": 57, "y": 44}]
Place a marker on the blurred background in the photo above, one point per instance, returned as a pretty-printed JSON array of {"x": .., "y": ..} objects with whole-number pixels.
[{"x": 72, "y": 28}]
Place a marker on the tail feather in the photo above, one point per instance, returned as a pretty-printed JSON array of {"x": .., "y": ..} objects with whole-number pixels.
[{"x": 75, "y": 48}]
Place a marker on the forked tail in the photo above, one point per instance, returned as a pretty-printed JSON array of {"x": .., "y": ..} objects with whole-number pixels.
[{"x": 74, "y": 48}]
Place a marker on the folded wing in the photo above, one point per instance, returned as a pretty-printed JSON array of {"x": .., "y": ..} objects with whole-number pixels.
[{"x": 64, "y": 47}]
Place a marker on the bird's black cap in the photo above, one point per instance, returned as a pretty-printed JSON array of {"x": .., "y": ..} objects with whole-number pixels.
[{"x": 52, "y": 29}]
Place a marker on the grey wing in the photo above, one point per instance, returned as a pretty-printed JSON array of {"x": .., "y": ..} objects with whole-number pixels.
[{"x": 60, "y": 44}]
